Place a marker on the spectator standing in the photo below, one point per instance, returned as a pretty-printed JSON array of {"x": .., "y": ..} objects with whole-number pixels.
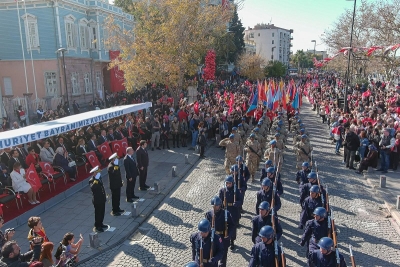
[
  {"x": 386, "y": 144},
  {"x": 352, "y": 145},
  {"x": 394, "y": 154},
  {"x": 202, "y": 142},
  {"x": 46, "y": 255},
  {"x": 193, "y": 127},
  {"x": 76, "y": 107},
  {"x": 364, "y": 142},
  {"x": 164, "y": 133},
  {"x": 131, "y": 172},
  {"x": 69, "y": 248},
  {"x": 184, "y": 132},
  {"x": 8, "y": 233},
  {"x": 155, "y": 133},
  {"x": 39, "y": 113},
  {"x": 175, "y": 132},
  {"x": 21, "y": 116},
  {"x": 142, "y": 158}
]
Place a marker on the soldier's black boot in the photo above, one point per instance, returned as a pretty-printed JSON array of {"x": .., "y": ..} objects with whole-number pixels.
[{"x": 232, "y": 247}]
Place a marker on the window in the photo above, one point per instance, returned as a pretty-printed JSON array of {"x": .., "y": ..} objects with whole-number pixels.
[
  {"x": 70, "y": 32},
  {"x": 272, "y": 41},
  {"x": 31, "y": 32},
  {"x": 258, "y": 34},
  {"x": 99, "y": 85},
  {"x": 93, "y": 35},
  {"x": 84, "y": 34},
  {"x": 251, "y": 35},
  {"x": 272, "y": 57},
  {"x": 50, "y": 82},
  {"x": 7, "y": 86},
  {"x": 75, "y": 83},
  {"x": 273, "y": 34},
  {"x": 88, "y": 83}
]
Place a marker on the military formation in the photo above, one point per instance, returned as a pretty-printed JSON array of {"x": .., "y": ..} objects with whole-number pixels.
[{"x": 245, "y": 148}]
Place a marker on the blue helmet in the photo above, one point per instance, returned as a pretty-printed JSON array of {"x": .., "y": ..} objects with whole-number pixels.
[
  {"x": 295, "y": 116},
  {"x": 267, "y": 232},
  {"x": 234, "y": 168},
  {"x": 314, "y": 189},
  {"x": 298, "y": 120},
  {"x": 239, "y": 158},
  {"x": 268, "y": 162},
  {"x": 301, "y": 125},
  {"x": 264, "y": 205},
  {"x": 278, "y": 128},
  {"x": 204, "y": 226},
  {"x": 259, "y": 123},
  {"x": 266, "y": 182},
  {"x": 312, "y": 175},
  {"x": 271, "y": 170},
  {"x": 320, "y": 211},
  {"x": 234, "y": 129},
  {"x": 252, "y": 135},
  {"x": 280, "y": 122},
  {"x": 280, "y": 113},
  {"x": 240, "y": 125},
  {"x": 191, "y": 264},
  {"x": 302, "y": 130},
  {"x": 277, "y": 134},
  {"x": 231, "y": 136},
  {"x": 304, "y": 136},
  {"x": 272, "y": 142},
  {"x": 261, "y": 120},
  {"x": 243, "y": 119},
  {"x": 229, "y": 179},
  {"x": 216, "y": 201},
  {"x": 326, "y": 243},
  {"x": 305, "y": 164},
  {"x": 256, "y": 129}
]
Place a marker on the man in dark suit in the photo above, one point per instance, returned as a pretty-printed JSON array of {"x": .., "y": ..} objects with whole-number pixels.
[
  {"x": 110, "y": 135},
  {"x": 92, "y": 146},
  {"x": 131, "y": 172},
  {"x": 143, "y": 163},
  {"x": 6, "y": 156},
  {"x": 16, "y": 157},
  {"x": 117, "y": 133},
  {"x": 102, "y": 138},
  {"x": 4, "y": 175}
]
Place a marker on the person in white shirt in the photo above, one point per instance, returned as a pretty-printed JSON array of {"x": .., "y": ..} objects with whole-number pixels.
[{"x": 19, "y": 183}]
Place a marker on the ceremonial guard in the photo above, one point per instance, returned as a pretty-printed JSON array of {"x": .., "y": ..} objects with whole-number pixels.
[
  {"x": 232, "y": 150},
  {"x": 262, "y": 219},
  {"x": 232, "y": 200},
  {"x": 263, "y": 253},
  {"x": 314, "y": 230},
  {"x": 99, "y": 199},
  {"x": 241, "y": 133},
  {"x": 279, "y": 142},
  {"x": 309, "y": 205},
  {"x": 271, "y": 174},
  {"x": 259, "y": 137},
  {"x": 246, "y": 127},
  {"x": 253, "y": 157},
  {"x": 244, "y": 171},
  {"x": 325, "y": 256},
  {"x": 303, "y": 150},
  {"x": 265, "y": 194},
  {"x": 207, "y": 247},
  {"x": 222, "y": 225},
  {"x": 240, "y": 182},
  {"x": 274, "y": 154},
  {"x": 301, "y": 176},
  {"x": 305, "y": 188},
  {"x": 115, "y": 180}
]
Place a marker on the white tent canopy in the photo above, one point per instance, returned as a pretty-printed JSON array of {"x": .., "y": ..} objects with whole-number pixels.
[{"x": 46, "y": 129}]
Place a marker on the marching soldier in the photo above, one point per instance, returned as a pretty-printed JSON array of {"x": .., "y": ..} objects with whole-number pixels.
[
  {"x": 115, "y": 181},
  {"x": 232, "y": 150},
  {"x": 240, "y": 180},
  {"x": 265, "y": 194},
  {"x": 233, "y": 200},
  {"x": 309, "y": 205},
  {"x": 271, "y": 174},
  {"x": 263, "y": 219},
  {"x": 274, "y": 154},
  {"x": 244, "y": 171},
  {"x": 267, "y": 164},
  {"x": 207, "y": 247},
  {"x": 314, "y": 230},
  {"x": 253, "y": 157},
  {"x": 301, "y": 176},
  {"x": 303, "y": 151},
  {"x": 279, "y": 142},
  {"x": 259, "y": 137},
  {"x": 305, "y": 188},
  {"x": 241, "y": 133},
  {"x": 237, "y": 139},
  {"x": 246, "y": 127},
  {"x": 326, "y": 256},
  {"x": 99, "y": 199},
  {"x": 297, "y": 136},
  {"x": 223, "y": 225},
  {"x": 263, "y": 253}
]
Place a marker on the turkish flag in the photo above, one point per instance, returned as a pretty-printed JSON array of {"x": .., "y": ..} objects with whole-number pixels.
[
  {"x": 117, "y": 148},
  {"x": 105, "y": 150},
  {"x": 124, "y": 143},
  {"x": 33, "y": 178},
  {"x": 92, "y": 158}
]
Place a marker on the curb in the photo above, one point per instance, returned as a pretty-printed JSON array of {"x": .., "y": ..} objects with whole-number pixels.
[{"x": 146, "y": 212}]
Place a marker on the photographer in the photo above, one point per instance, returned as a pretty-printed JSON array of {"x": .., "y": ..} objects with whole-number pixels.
[
  {"x": 8, "y": 234},
  {"x": 11, "y": 254}
]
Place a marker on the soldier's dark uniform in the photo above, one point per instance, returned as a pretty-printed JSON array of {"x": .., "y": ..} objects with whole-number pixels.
[
  {"x": 315, "y": 230},
  {"x": 258, "y": 222},
  {"x": 320, "y": 260},
  {"x": 263, "y": 255},
  {"x": 308, "y": 207},
  {"x": 301, "y": 176},
  {"x": 99, "y": 201},
  {"x": 267, "y": 196},
  {"x": 305, "y": 191},
  {"x": 115, "y": 181},
  {"x": 218, "y": 249}
]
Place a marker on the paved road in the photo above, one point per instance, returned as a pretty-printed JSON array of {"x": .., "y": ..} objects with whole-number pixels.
[{"x": 164, "y": 239}]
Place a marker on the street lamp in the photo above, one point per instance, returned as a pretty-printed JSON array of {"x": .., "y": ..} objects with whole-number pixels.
[
  {"x": 62, "y": 52},
  {"x": 348, "y": 59},
  {"x": 315, "y": 44}
]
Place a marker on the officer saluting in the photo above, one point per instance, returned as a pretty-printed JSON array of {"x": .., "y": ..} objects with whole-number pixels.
[
  {"x": 207, "y": 248},
  {"x": 115, "y": 180},
  {"x": 223, "y": 225},
  {"x": 99, "y": 199},
  {"x": 263, "y": 253}
]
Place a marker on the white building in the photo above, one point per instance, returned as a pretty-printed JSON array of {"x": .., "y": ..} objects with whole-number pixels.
[
  {"x": 272, "y": 43},
  {"x": 322, "y": 54},
  {"x": 250, "y": 47}
]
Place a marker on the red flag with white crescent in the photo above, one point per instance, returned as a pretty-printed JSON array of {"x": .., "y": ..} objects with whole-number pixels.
[
  {"x": 105, "y": 150},
  {"x": 116, "y": 146},
  {"x": 33, "y": 178},
  {"x": 92, "y": 158},
  {"x": 124, "y": 143}
]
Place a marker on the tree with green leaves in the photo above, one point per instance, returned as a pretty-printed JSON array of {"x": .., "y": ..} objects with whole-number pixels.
[
  {"x": 236, "y": 29},
  {"x": 275, "y": 69}
]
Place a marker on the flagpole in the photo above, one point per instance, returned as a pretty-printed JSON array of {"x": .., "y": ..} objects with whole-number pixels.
[{"x": 22, "y": 48}]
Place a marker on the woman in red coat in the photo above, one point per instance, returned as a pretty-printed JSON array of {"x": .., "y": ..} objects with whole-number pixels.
[{"x": 34, "y": 159}]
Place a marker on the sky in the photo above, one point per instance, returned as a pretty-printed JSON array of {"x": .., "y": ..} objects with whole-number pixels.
[{"x": 308, "y": 18}]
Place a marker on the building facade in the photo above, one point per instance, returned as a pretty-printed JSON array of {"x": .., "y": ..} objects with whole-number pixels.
[
  {"x": 32, "y": 31},
  {"x": 271, "y": 42}
]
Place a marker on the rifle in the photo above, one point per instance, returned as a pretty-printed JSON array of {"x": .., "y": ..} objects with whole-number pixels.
[
  {"x": 283, "y": 258},
  {"x": 273, "y": 220},
  {"x": 238, "y": 174},
  {"x": 201, "y": 252},
  {"x": 212, "y": 232},
  {"x": 334, "y": 237},
  {"x": 353, "y": 261},
  {"x": 226, "y": 213},
  {"x": 234, "y": 192},
  {"x": 319, "y": 185},
  {"x": 329, "y": 214}
]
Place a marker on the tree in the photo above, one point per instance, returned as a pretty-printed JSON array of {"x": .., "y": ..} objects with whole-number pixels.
[
  {"x": 237, "y": 30},
  {"x": 169, "y": 41},
  {"x": 251, "y": 66},
  {"x": 126, "y": 5},
  {"x": 275, "y": 69}
]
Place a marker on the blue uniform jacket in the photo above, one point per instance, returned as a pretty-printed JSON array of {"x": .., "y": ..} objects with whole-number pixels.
[
  {"x": 258, "y": 222},
  {"x": 264, "y": 174},
  {"x": 301, "y": 176},
  {"x": 243, "y": 183},
  {"x": 233, "y": 207},
  {"x": 319, "y": 260},
  {"x": 263, "y": 255},
  {"x": 308, "y": 207},
  {"x": 267, "y": 196},
  {"x": 218, "y": 249},
  {"x": 219, "y": 221},
  {"x": 314, "y": 231},
  {"x": 244, "y": 171},
  {"x": 305, "y": 191}
]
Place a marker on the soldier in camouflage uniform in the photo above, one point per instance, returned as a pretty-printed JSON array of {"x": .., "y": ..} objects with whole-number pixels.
[
  {"x": 259, "y": 137},
  {"x": 279, "y": 142},
  {"x": 253, "y": 157},
  {"x": 303, "y": 151},
  {"x": 246, "y": 127},
  {"x": 237, "y": 139},
  {"x": 232, "y": 150},
  {"x": 274, "y": 154}
]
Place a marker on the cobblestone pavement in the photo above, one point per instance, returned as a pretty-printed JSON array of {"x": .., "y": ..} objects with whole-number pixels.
[{"x": 164, "y": 239}]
